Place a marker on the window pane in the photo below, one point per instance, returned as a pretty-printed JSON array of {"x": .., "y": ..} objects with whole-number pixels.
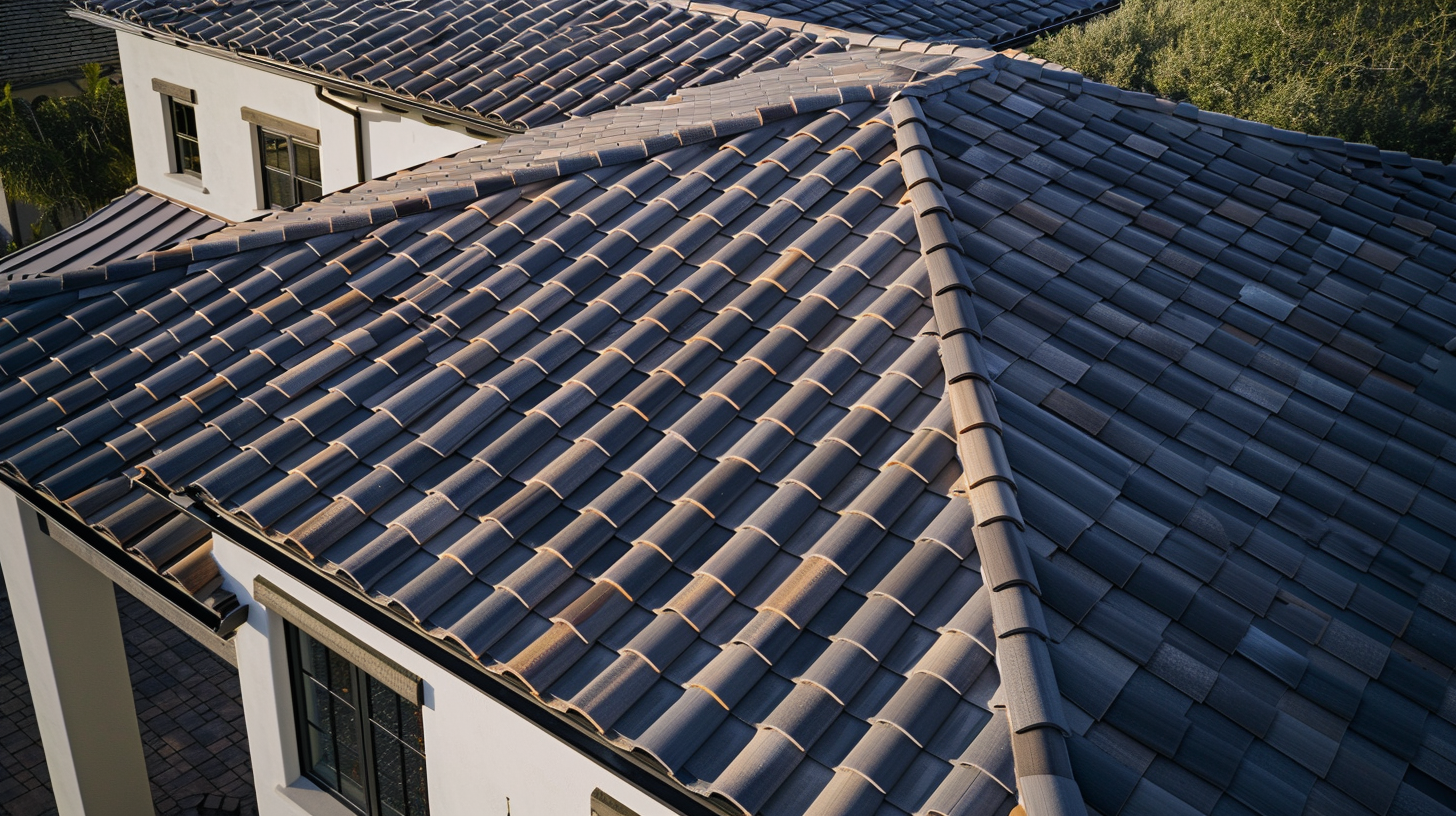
[
  {"x": 189, "y": 159},
  {"x": 318, "y": 658},
  {"x": 184, "y": 119},
  {"x": 411, "y": 731},
  {"x": 277, "y": 188},
  {"x": 275, "y": 151},
  {"x": 384, "y": 706},
  {"x": 306, "y": 160},
  {"x": 309, "y": 192},
  {"x": 317, "y": 703},
  {"x": 341, "y": 676},
  {"x": 389, "y": 771},
  {"x": 351, "y": 754},
  {"x": 414, "y": 778},
  {"x": 320, "y": 760}
]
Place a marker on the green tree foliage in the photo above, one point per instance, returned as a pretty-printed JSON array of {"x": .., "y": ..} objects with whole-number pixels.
[
  {"x": 67, "y": 154},
  {"x": 1376, "y": 71}
]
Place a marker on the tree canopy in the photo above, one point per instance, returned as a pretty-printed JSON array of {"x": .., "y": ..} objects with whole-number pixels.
[
  {"x": 67, "y": 154},
  {"x": 1371, "y": 71}
]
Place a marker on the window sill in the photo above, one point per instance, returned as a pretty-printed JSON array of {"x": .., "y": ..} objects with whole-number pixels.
[
  {"x": 308, "y": 800},
  {"x": 189, "y": 180}
]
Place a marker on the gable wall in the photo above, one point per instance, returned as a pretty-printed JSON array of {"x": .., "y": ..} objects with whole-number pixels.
[
  {"x": 230, "y": 185},
  {"x": 478, "y": 752}
]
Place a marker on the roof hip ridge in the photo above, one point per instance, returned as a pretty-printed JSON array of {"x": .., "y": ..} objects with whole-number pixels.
[
  {"x": 864, "y": 39},
  {"x": 1033, "y": 703}
]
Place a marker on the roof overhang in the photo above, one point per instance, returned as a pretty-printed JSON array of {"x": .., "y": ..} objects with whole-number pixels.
[
  {"x": 577, "y": 734},
  {"x": 199, "y": 621}
]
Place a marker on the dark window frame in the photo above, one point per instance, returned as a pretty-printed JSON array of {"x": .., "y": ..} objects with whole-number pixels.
[
  {"x": 297, "y": 184},
  {"x": 180, "y": 138},
  {"x": 364, "y": 722}
]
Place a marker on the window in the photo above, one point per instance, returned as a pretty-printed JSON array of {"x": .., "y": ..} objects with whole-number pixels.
[
  {"x": 357, "y": 739},
  {"x": 185, "y": 147},
  {"x": 291, "y": 172}
]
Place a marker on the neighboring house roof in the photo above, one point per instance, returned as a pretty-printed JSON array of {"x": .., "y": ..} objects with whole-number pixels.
[
  {"x": 969, "y": 22},
  {"x": 39, "y": 42},
  {"x": 506, "y": 62},
  {"x": 135, "y": 223},
  {"x": 1019, "y": 436}
]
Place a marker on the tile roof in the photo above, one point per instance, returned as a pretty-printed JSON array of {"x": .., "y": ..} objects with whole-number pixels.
[
  {"x": 1018, "y": 438},
  {"x": 980, "y": 23},
  {"x": 137, "y": 222},
  {"x": 39, "y": 43},
  {"x": 509, "y": 63},
  {"x": 166, "y": 541}
]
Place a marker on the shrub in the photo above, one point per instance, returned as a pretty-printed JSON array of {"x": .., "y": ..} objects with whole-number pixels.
[
  {"x": 1370, "y": 71},
  {"x": 67, "y": 154}
]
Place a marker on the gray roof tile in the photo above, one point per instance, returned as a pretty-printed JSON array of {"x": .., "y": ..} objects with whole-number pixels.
[{"x": 795, "y": 511}]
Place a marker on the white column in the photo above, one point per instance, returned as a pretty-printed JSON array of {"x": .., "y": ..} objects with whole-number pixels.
[{"x": 75, "y": 663}]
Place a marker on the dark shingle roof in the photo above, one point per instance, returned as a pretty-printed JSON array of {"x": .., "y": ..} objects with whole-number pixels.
[
  {"x": 980, "y": 23},
  {"x": 843, "y": 456},
  {"x": 135, "y": 223},
  {"x": 168, "y": 542},
  {"x": 38, "y": 42},
  {"x": 509, "y": 62}
]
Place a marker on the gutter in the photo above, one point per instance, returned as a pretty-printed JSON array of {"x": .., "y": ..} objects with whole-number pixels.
[
  {"x": 574, "y": 733},
  {"x": 198, "y": 620}
]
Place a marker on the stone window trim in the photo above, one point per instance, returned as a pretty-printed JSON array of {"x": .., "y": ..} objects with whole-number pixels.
[
  {"x": 268, "y": 121},
  {"x": 178, "y": 92},
  {"x": 602, "y": 804},
  {"x": 394, "y": 676}
]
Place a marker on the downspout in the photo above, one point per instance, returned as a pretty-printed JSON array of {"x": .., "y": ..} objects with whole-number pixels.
[{"x": 318, "y": 91}]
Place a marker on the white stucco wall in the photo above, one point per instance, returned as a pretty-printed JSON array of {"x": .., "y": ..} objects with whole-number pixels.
[
  {"x": 393, "y": 142},
  {"x": 230, "y": 185},
  {"x": 479, "y": 754}
]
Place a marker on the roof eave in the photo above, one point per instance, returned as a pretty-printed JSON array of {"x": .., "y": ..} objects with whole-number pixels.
[
  {"x": 198, "y": 620},
  {"x": 645, "y": 775}
]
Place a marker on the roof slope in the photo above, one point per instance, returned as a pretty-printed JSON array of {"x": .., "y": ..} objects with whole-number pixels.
[
  {"x": 135, "y": 223},
  {"x": 1220, "y": 356},
  {"x": 170, "y": 543},
  {"x": 846, "y": 457},
  {"x": 510, "y": 62},
  {"x": 38, "y": 42},
  {"x": 981, "y": 23}
]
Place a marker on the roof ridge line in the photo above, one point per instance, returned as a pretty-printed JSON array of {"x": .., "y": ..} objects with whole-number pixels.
[
  {"x": 849, "y": 38},
  {"x": 172, "y": 18},
  {"x": 1033, "y": 702}
]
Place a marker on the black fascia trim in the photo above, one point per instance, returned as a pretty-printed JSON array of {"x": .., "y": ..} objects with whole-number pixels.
[
  {"x": 56, "y": 513},
  {"x": 559, "y": 725}
]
